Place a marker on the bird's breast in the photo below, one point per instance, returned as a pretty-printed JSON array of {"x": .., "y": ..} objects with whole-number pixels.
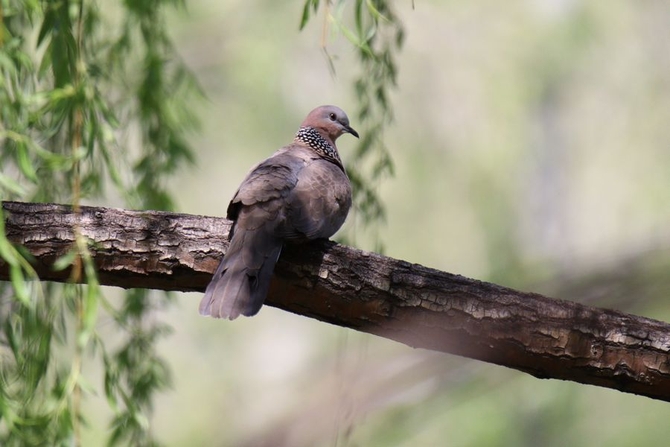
[{"x": 320, "y": 201}]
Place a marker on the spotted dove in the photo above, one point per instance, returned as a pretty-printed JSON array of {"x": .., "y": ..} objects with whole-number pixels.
[{"x": 300, "y": 193}]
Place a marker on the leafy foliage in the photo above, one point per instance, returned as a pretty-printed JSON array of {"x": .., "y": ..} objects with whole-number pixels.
[{"x": 69, "y": 99}]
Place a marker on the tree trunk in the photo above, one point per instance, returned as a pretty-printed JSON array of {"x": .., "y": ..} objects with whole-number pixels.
[{"x": 409, "y": 303}]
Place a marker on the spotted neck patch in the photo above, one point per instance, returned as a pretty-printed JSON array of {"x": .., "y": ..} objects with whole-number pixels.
[{"x": 312, "y": 138}]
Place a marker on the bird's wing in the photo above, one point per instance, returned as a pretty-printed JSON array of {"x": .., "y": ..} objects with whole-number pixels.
[{"x": 267, "y": 183}]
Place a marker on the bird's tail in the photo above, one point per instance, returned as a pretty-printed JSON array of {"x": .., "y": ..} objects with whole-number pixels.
[{"x": 241, "y": 282}]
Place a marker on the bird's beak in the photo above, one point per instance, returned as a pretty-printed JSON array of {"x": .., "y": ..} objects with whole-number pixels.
[{"x": 351, "y": 131}]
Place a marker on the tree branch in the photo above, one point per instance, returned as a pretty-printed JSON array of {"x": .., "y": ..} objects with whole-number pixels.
[{"x": 409, "y": 303}]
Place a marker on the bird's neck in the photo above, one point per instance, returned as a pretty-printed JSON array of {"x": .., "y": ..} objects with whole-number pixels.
[{"x": 311, "y": 138}]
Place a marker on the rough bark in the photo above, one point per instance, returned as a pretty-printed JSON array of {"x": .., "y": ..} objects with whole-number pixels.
[{"x": 412, "y": 304}]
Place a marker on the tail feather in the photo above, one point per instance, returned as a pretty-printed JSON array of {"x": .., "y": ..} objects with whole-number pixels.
[{"x": 241, "y": 282}]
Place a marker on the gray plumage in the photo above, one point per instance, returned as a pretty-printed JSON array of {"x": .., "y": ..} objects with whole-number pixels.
[{"x": 300, "y": 193}]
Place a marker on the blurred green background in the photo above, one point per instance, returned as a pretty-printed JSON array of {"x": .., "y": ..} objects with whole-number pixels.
[{"x": 532, "y": 149}]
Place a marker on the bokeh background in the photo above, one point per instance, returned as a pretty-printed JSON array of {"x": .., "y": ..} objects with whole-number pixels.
[{"x": 532, "y": 149}]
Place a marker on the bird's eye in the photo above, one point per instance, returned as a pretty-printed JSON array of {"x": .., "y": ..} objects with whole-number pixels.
[{"x": 332, "y": 117}]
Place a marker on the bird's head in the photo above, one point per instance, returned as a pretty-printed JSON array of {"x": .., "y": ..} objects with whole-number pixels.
[{"x": 330, "y": 122}]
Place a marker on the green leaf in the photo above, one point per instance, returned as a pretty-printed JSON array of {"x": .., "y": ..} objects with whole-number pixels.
[
  {"x": 65, "y": 261},
  {"x": 375, "y": 12},
  {"x": 7, "y": 252},
  {"x": 11, "y": 186},
  {"x": 19, "y": 284},
  {"x": 314, "y": 5},
  {"x": 24, "y": 162}
]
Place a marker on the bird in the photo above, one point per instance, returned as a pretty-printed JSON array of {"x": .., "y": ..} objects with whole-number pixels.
[{"x": 301, "y": 193}]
